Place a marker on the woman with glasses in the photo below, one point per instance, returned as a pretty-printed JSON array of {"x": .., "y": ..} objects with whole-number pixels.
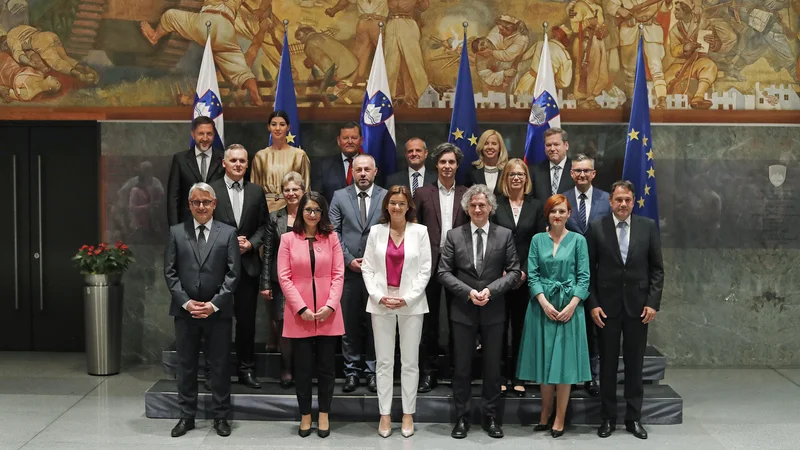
[
  {"x": 492, "y": 158},
  {"x": 311, "y": 276},
  {"x": 518, "y": 211},
  {"x": 396, "y": 269}
]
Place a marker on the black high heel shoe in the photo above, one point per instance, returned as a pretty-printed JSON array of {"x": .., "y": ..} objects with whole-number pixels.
[
  {"x": 556, "y": 433},
  {"x": 516, "y": 392},
  {"x": 546, "y": 426}
]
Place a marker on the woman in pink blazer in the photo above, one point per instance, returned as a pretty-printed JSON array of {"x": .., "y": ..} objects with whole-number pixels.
[{"x": 311, "y": 275}]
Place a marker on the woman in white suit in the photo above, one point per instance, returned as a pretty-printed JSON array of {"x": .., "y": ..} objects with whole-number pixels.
[{"x": 396, "y": 269}]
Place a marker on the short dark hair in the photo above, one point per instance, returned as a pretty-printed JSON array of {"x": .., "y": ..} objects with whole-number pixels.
[
  {"x": 281, "y": 114},
  {"x": 623, "y": 184},
  {"x": 325, "y": 226},
  {"x": 202, "y": 120},
  {"x": 551, "y": 131},
  {"x": 411, "y": 214},
  {"x": 446, "y": 147},
  {"x": 349, "y": 126}
]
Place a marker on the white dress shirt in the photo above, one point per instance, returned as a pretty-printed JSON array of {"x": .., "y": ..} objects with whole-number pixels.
[
  {"x": 561, "y": 173},
  {"x": 206, "y": 234},
  {"x": 197, "y": 153},
  {"x": 618, "y": 232},
  {"x": 367, "y": 200},
  {"x": 347, "y": 165},
  {"x": 491, "y": 178},
  {"x": 588, "y": 202},
  {"x": 420, "y": 178},
  {"x": 234, "y": 195},
  {"x": 446, "y": 199},
  {"x": 485, "y": 238}
]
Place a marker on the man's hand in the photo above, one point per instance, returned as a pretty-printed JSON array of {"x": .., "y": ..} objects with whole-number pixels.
[
  {"x": 323, "y": 313},
  {"x": 355, "y": 265},
  {"x": 648, "y": 315},
  {"x": 203, "y": 310},
  {"x": 267, "y": 294},
  {"x": 597, "y": 317},
  {"x": 308, "y": 315},
  {"x": 477, "y": 298},
  {"x": 244, "y": 245}
]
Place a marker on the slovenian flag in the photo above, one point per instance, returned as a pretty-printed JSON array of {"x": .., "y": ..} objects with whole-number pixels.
[
  {"x": 544, "y": 110},
  {"x": 377, "y": 117},
  {"x": 206, "y": 98}
]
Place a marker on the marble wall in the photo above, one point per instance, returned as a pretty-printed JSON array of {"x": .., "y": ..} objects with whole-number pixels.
[{"x": 731, "y": 237}]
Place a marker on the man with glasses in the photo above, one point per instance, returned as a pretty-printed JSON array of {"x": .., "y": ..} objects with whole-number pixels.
[
  {"x": 588, "y": 203},
  {"x": 550, "y": 177}
]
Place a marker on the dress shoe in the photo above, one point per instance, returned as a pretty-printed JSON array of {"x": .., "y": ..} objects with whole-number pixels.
[
  {"x": 249, "y": 379},
  {"x": 542, "y": 427},
  {"x": 426, "y": 384},
  {"x": 182, "y": 427},
  {"x": 384, "y": 433},
  {"x": 556, "y": 433},
  {"x": 287, "y": 383},
  {"x": 606, "y": 428},
  {"x": 517, "y": 391},
  {"x": 492, "y": 428},
  {"x": 372, "y": 383},
  {"x": 635, "y": 428},
  {"x": 304, "y": 433},
  {"x": 323, "y": 433},
  {"x": 461, "y": 429},
  {"x": 592, "y": 388},
  {"x": 222, "y": 427},
  {"x": 407, "y": 433},
  {"x": 350, "y": 384}
]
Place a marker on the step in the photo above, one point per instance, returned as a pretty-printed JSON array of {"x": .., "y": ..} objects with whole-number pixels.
[
  {"x": 662, "y": 405},
  {"x": 268, "y": 364}
]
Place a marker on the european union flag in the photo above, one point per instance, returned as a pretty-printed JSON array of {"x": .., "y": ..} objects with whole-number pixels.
[
  {"x": 285, "y": 97},
  {"x": 640, "y": 167},
  {"x": 544, "y": 109},
  {"x": 206, "y": 97},
  {"x": 464, "y": 122},
  {"x": 377, "y": 117}
]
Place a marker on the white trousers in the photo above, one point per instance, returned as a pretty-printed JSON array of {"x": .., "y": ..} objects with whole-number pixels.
[{"x": 384, "y": 328}]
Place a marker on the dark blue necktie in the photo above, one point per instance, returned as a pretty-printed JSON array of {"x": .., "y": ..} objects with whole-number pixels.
[{"x": 582, "y": 212}]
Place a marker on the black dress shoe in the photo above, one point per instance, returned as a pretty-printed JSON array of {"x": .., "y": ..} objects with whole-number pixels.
[
  {"x": 592, "y": 388},
  {"x": 222, "y": 427},
  {"x": 556, "y": 433},
  {"x": 323, "y": 433},
  {"x": 304, "y": 433},
  {"x": 249, "y": 379},
  {"x": 542, "y": 427},
  {"x": 492, "y": 428},
  {"x": 372, "y": 384},
  {"x": 606, "y": 428},
  {"x": 635, "y": 428},
  {"x": 461, "y": 429},
  {"x": 350, "y": 384},
  {"x": 182, "y": 427},
  {"x": 287, "y": 383},
  {"x": 426, "y": 384}
]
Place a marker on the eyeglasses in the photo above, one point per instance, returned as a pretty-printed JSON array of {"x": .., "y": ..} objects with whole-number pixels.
[
  {"x": 516, "y": 175},
  {"x": 197, "y": 203},
  {"x": 582, "y": 171},
  {"x": 311, "y": 211}
]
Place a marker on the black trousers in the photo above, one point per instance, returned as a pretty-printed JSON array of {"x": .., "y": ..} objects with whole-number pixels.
[
  {"x": 429, "y": 343},
  {"x": 358, "y": 339},
  {"x": 307, "y": 351},
  {"x": 634, "y": 335},
  {"x": 216, "y": 331},
  {"x": 516, "y": 308},
  {"x": 464, "y": 351},
  {"x": 245, "y": 300},
  {"x": 593, "y": 340}
]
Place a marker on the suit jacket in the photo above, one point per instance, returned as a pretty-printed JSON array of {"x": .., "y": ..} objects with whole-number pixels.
[
  {"x": 298, "y": 284},
  {"x": 541, "y": 179},
  {"x": 531, "y": 221},
  {"x": 208, "y": 277},
  {"x": 477, "y": 176},
  {"x": 400, "y": 178},
  {"x": 600, "y": 207},
  {"x": 278, "y": 221},
  {"x": 346, "y": 218},
  {"x": 253, "y": 224},
  {"x": 414, "y": 277},
  {"x": 616, "y": 286},
  {"x": 328, "y": 176},
  {"x": 500, "y": 274},
  {"x": 182, "y": 175},
  {"x": 429, "y": 213}
]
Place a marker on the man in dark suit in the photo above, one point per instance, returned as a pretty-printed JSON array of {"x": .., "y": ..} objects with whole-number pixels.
[
  {"x": 354, "y": 210},
  {"x": 242, "y": 205},
  {"x": 479, "y": 264},
  {"x": 550, "y": 176},
  {"x": 199, "y": 164},
  {"x": 588, "y": 203},
  {"x": 201, "y": 268},
  {"x": 335, "y": 172},
  {"x": 625, "y": 293},
  {"x": 439, "y": 209},
  {"x": 417, "y": 174}
]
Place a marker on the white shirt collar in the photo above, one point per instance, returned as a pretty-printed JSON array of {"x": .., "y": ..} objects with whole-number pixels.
[
  {"x": 229, "y": 182},
  {"x": 444, "y": 189},
  {"x": 368, "y": 191},
  {"x": 617, "y": 221},
  {"x": 197, "y": 151},
  {"x": 344, "y": 157},
  {"x": 421, "y": 172},
  {"x": 474, "y": 228},
  {"x": 561, "y": 164},
  {"x": 207, "y": 224},
  {"x": 588, "y": 193}
]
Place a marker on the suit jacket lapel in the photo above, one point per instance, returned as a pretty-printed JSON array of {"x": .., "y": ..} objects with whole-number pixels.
[
  {"x": 636, "y": 232},
  {"x": 596, "y": 205},
  {"x": 192, "y": 238},
  {"x": 504, "y": 207},
  {"x": 191, "y": 161},
  {"x": 351, "y": 190},
  {"x": 611, "y": 235},
  {"x": 488, "y": 246},
  {"x": 224, "y": 203},
  {"x": 212, "y": 236},
  {"x": 457, "y": 195},
  {"x": 480, "y": 177},
  {"x": 573, "y": 218},
  {"x": 214, "y": 163},
  {"x": 281, "y": 220},
  {"x": 246, "y": 197},
  {"x": 430, "y": 177},
  {"x": 565, "y": 176},
  {"x": 437, "y": 206},
  {"x": 470, "y": 249}
]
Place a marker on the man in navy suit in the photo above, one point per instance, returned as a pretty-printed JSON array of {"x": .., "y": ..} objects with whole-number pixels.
[
  {"x": 336, "y": 171},
  {"x": 588, "y": 203},
  {"x": 416, "y": 154},
  {"x": 550, "y": 176}
]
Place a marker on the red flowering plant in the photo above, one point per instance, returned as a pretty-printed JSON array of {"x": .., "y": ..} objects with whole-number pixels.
[{"x": 103, "y": 259}]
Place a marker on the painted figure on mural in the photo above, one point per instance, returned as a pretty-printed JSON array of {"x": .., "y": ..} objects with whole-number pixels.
[
  {"x": 228, "y": 55},
  {"x": 23, "y": 83},
  {"x": 264, "y": 30},
  {"x": 405, "y": 67},
  {"x": 370, "y": 14},
  {"x": 768, "y": 34},
  {"x": 496, "y": 76},
  {"x": 510, "y": 39},
  {"x": 559, "y": 57},
  {"x": 322, "y": 51},
  {"x": 589, "y": 51},
  {"x": 43, "y": 51},
  {"x": 13, "y": 13},
  {"x": 724, "y": 17}
]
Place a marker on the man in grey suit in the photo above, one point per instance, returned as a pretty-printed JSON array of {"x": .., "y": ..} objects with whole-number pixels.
[
  {"x": 479, "y": 264},
  {"x": 417, "y": 174},
  {"x": 201, "y": 268},
  {"x": 354, "y": 210}
]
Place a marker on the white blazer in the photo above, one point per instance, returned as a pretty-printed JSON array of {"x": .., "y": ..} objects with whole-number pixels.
[{"x": 415, "y": 275}]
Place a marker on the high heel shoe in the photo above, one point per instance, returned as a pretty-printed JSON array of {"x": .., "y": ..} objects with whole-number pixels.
[
  {"x": 304, "y": 433},
  {"x": 541, "y": 427},
  {"x": 518, "y": 393},
  {"x": 326, "y": 432},
  {"x": 407, "y": 433},
  {"x": 556, "y": 433},
  {"x": 385, "y": 433}
]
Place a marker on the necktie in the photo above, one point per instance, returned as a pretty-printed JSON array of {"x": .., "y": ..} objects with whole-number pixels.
[
  {"x": 556, "y": 178},
  {"x": 479, "y": 250},
  {"x": 362, "y": 206},
  {"x": 349, "y": 171},
  {"x": 203, "y": 165},
  {"x": 201, "y": 239},
  {"x": 414, "y": 183},
  {"x": 237, "y": 203},
  {"x": 582, "y": 211},
  {"x": 623, "y": 241}
]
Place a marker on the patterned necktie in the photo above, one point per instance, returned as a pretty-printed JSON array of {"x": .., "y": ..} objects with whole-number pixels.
[
  {"x": 479, "y": 250},
  {"x": 362, "y": 206},
  {"x": 623, "y": 241},
  {"x": 203, "y": 165},
  {"x": 349, "y": 178},
  {"x": 556, "y": 179},
  {"x": 582, "y": 212},
  {"x": 201, "y": 239},
  {"x": 237, "y": 203},
  {"x": 414, "y": 183}
]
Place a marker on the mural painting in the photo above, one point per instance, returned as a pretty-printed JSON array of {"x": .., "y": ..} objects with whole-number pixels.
[{"x": 701, "y": 54}]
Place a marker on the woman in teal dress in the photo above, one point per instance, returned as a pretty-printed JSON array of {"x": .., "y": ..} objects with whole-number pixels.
[{"x": 554, "y": 351}]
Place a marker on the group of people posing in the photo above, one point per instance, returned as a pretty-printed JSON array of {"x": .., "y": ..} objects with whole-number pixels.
[{"x": 542, "y": 271}]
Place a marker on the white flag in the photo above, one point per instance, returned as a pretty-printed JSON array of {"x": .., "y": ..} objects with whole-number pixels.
[{"x": 207, "y": 99}]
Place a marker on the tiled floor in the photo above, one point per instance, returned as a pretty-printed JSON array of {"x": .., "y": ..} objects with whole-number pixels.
[{"x": 48, "y": 402}]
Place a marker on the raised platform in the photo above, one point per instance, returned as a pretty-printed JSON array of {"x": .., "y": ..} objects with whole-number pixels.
[
  {"x": 268, "y": 365},
  {"x": 662, "y": 405}
]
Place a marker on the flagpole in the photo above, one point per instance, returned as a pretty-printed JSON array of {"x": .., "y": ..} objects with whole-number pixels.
[
  {"x": 380, "y": 28},
  {"x": 544, "y": 26},
  {"x": 208, "y": 28},
  {"x": 285, "y": 26}
]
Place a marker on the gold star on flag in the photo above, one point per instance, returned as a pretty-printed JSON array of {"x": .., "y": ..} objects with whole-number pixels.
[
  {"x": 644, "y": 141},
  {"x": 651, "y": 173},
  {"x": 459, "y": 134},
  {"x": 649, "y": 154},
  {"x": 473, "y": 140},
  {"x": 633, "y": 134},
  {"x": 641, "y": 202},
  {"x": 646, "y": 190},
  {"x": 290, "y": 138}
]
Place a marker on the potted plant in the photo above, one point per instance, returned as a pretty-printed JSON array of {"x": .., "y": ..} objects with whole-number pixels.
[{"x": 103, "y": 265}]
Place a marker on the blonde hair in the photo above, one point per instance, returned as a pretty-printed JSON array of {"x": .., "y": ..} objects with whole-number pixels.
[
  {"x": 502, "y": 157},
  {"x": 505, "y": 178}
]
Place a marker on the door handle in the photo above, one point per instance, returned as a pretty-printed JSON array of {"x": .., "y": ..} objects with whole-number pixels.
[
  {"x": 16, "y": 244},
  {"x": 41, "y": 253}
]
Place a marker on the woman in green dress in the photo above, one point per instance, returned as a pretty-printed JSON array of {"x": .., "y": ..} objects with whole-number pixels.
[{"x": 554, "y": 351}]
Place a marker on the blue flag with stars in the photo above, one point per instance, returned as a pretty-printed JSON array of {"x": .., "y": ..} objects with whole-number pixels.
[
  {"x": 544, "y": 109},
  {"x": 285, "y": 97},
  {"x": 639, "y": 167},
  {"x": 377, "y": 117},
  {"x": 464, "y": 122},
  {"x": 206, "y": 98}
]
